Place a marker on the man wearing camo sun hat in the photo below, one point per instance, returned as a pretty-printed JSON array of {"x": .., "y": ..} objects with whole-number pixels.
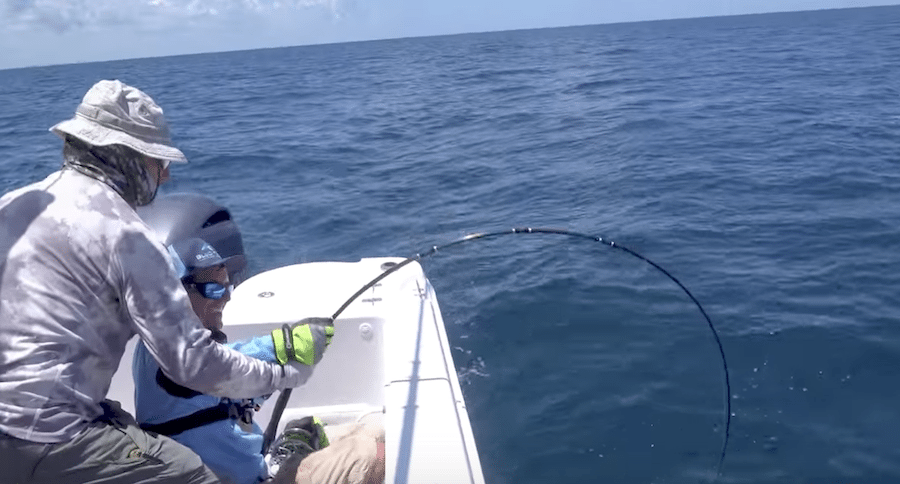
[{"x": 80, "y": 274}]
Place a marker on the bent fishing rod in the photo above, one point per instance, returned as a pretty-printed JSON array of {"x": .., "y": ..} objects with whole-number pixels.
[{"x": 286, "y": 393}]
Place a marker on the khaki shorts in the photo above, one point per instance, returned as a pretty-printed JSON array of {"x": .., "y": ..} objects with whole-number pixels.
[
  {"x": 355, "y": 455},
  {"x": 111, "y": 450}
]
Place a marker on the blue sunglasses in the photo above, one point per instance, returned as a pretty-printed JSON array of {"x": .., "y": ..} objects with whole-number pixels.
[{"x": 209, "y": 290}]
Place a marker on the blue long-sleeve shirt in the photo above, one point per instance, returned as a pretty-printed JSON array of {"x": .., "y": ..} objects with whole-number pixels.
[{"x": 223, "y": 446}]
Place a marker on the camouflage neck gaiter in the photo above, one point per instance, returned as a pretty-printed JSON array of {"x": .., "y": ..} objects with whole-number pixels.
[{"x": 118, "y": 166}]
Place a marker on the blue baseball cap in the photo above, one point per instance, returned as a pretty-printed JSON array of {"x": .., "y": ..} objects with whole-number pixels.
[{"x": 193, "y": 254}]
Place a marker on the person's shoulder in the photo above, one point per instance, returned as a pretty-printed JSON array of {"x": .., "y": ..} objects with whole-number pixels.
[
  {"x": 37, "y": 186},
  {"x": 108, "y": 215},
  {"x": 91, "y": 203}
]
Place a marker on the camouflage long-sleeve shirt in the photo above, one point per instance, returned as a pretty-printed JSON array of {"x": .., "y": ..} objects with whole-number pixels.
[{"x": 80, "y": 274}]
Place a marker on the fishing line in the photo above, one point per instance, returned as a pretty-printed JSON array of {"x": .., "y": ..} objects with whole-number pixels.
[{"x": 286, "y": 393}]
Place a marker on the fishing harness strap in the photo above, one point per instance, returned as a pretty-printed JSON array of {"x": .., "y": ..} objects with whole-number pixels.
[
  {"x": 222, "y": 411},
  {"x": 242, "y": 410}
]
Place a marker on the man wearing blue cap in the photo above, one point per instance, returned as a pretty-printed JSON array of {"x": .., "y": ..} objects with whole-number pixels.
[{"x": 221, "y": 430}]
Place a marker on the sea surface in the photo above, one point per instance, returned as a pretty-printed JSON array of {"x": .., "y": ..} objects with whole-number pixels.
[{"x": 755, "y": 158}]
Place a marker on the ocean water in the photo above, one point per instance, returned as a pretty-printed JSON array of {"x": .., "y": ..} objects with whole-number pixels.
[{"x": 755, "y": 158}]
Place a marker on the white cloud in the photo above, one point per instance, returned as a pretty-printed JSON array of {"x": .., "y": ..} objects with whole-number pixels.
[
  {"x": 64, "y": 15},
  {"x": 42, "y": 32}
]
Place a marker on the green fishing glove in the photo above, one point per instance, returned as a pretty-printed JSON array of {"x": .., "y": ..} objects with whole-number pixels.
[
  {"x": 310, "y": 430},
  {"x": 304, "y": 341}
]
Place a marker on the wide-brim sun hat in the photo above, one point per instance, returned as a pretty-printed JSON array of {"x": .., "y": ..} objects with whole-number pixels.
[{"x": 114, "y": 113}]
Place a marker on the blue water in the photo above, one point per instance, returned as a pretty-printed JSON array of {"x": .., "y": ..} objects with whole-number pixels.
[{"x": 754, "y": 157}]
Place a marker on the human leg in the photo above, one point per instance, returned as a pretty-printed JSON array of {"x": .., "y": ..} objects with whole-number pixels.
[{"x": 113, "y": 449}]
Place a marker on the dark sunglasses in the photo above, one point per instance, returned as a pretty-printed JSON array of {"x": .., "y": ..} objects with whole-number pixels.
[{"x": 209, "y": 290}]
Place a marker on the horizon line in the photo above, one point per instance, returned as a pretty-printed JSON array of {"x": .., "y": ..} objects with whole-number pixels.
[{"x": 382, "y": 39}]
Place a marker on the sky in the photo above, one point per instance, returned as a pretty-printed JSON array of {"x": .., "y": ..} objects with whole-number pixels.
[{"x": 46, "y": 32}]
